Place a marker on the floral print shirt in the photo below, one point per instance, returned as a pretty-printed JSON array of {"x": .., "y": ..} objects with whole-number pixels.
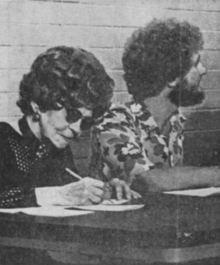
[{"x": 126, "y": 141}]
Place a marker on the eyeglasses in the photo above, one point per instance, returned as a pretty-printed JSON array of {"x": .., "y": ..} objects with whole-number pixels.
[{"x": 73, "y": 115}]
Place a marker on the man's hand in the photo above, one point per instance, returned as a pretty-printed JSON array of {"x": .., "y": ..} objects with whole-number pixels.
[
  {"x": 84, "y": 192},
  {"x": 121, "y": 190}
]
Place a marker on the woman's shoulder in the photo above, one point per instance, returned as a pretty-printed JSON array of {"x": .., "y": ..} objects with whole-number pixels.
[{"x": 6, "y": 130}]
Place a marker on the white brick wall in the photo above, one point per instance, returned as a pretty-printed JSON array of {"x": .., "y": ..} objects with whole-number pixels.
[{"x": 28, "y": 27}]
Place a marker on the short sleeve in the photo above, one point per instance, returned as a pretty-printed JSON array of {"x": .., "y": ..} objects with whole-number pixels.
[
  {"x": 116, "y": 142},
  {"x": 176, "y": 138}
]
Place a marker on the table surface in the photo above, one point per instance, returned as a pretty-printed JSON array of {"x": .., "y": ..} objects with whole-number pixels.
[{"x": 167, "y": 222}]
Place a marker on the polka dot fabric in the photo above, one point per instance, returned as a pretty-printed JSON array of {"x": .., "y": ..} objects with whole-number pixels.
[
  {"x": 22, "y": 153},
  {"x": 27, "y": 163}
]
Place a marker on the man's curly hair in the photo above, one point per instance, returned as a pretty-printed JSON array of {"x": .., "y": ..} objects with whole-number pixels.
[
  {"x": 159, "y": 53},
  {"x": 65, "y": 77}
]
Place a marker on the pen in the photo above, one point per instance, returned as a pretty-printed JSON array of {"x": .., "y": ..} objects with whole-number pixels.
[{"x": 73, "y": 173}]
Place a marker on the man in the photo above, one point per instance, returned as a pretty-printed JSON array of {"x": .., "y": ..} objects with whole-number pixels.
[{"x": 141, "y": 141}]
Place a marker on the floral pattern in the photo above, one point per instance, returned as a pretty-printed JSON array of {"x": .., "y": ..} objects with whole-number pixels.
[{"x": 126, "y": 141}]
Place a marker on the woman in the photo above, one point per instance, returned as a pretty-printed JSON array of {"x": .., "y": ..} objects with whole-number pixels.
[{"x": 64, "y": 92}]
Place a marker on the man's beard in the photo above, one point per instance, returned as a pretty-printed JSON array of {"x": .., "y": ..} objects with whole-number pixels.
[{"x": 185, "y": 95}]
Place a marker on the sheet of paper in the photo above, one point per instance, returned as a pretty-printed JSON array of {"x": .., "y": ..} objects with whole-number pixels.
[
  {"x": 196, "y": 192},
  {"x": 114, "y": 202},
  {"x": 109, "y": 208},
  {"x": 50, "y": 211}
]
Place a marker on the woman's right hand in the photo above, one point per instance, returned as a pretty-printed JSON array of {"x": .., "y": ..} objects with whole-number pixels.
[{"x": 84, "y": 192}]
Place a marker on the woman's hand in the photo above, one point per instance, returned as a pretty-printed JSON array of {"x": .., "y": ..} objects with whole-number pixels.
[
  {"x": 84, "y": 192},
  {"x": 121, "y": 190}
]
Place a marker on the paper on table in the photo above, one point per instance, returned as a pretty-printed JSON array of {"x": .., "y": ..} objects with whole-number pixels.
[
  {"x": 114, "y": 201},
  {"x": 109, "y": 208},
  {"x": 196, "y": 192},
  {"x": 53, "y": 211}
]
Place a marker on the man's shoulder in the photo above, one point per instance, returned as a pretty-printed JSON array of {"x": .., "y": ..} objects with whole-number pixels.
[
  {"x": 118, "y": 118},
  {"x": 116, "y": 113}
]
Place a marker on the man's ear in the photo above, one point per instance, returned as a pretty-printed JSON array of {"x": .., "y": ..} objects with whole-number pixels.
[{"x": 172, "y": 84}]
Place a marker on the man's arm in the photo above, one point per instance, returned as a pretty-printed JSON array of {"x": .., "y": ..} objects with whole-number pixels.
[{"x": 177, "y": 178}]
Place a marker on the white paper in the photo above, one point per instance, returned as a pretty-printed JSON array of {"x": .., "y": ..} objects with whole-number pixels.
[
  {"x": 114, "y": 201},
  {"x": 110, "y": 208},
  {"x": 196, "y": 192},
  {"x": 50, "y": 211}
]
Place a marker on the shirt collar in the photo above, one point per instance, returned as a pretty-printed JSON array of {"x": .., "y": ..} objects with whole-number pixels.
[{"x": 30, "y": 138}]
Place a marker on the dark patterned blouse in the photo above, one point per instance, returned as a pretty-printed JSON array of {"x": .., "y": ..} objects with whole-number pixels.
[
  {"x": 27, "y": 163},
  {"x": 126, "y": 141}
]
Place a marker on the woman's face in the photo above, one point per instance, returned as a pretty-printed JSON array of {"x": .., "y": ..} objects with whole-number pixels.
[{"x": 55, "y": 126}]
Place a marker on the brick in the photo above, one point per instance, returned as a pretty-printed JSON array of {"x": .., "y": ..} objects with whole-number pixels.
[
  {"x": 27, "y": 34},
  {"x": 208, "y": 21},
  {"x": 202, "y": 120},
  {"x": 97, "y": 37},
  {"x": 4, "y": 34},
  {"x": 44, "y": 12},
  {"x": 39, "y": 35},
  {"x": 211, "y": 40},
  {"x": 105, "y": 37},
  {"x": 135, "y": 17},
  {"x": 21, "y": 57},
  {"x": 211, "y": 60},
  {"x": 106, "y": 56},
  {"x": 4, "y": 57},
  {"x": 8, "y": 105},
  {"x": 121, "y": 36},
  {"x": 10, "y": 79},
  {"x": 68, "y": 36},
  {"x": 4, "y": 11},
  {"x": 99, "y": 2},
  {"x": 200, "y": 146},
  {"x": 4, "y": 77},
  {"x": 211, "y": 5},
  {"x": 97, "y": 15},
  {"x": 211, "y": 80},
  {"x": 196, "y": 5}
]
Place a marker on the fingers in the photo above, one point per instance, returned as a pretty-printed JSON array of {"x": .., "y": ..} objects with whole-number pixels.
[
  {"x": 121, "y": 188},
  {"x": 94, "y": 182},
  {"x": 94, "y": 199},
  {"x": 135, "y": 195},
  {"x": 127, "y": 191}
]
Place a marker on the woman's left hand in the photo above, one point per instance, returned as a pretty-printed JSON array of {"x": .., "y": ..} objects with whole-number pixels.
[{"x": 120, "y": 188}]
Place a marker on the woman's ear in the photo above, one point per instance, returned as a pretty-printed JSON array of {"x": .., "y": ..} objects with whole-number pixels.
[
  {"x": 172, "y": 84},
  {"x": 36, "y": 111},
  {"x": 35, "y": 107}
]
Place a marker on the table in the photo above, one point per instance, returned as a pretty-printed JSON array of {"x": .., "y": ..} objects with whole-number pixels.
[{"x": 168, "y": 230}]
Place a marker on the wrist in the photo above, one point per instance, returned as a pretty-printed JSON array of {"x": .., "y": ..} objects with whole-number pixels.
[{"x": 47, "y": 196}]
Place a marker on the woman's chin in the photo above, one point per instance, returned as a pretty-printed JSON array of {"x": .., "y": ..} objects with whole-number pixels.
[{"x": 60, "y": 144}]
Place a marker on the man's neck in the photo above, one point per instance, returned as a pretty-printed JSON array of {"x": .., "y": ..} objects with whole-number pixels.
[{"x": 161, "y": 108}]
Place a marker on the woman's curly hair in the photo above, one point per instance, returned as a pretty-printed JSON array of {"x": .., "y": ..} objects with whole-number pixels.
[
  {"x": 65, "y": 77},
  {"x": 159, "y": 53}
]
